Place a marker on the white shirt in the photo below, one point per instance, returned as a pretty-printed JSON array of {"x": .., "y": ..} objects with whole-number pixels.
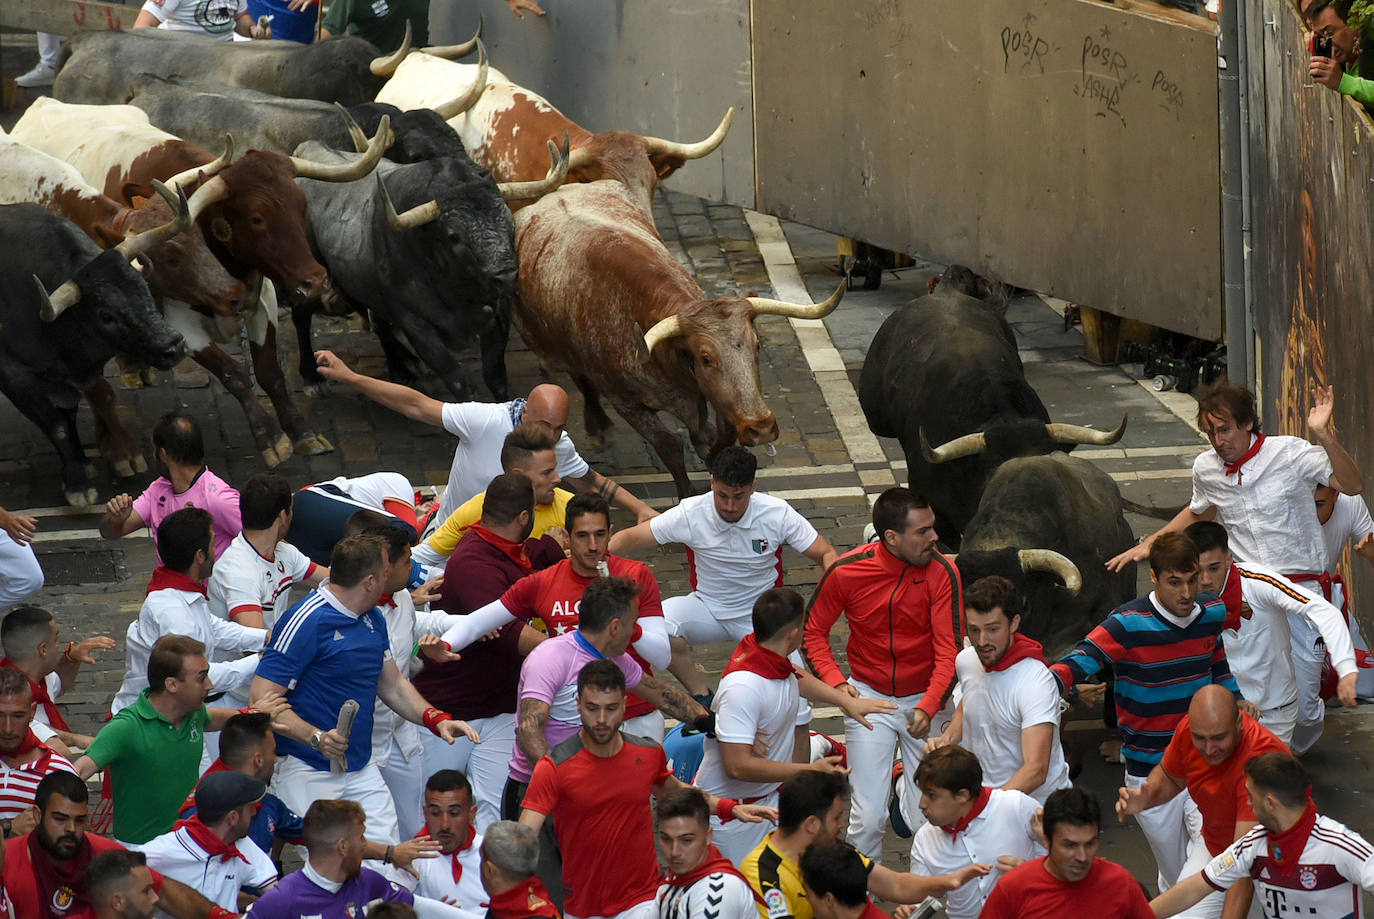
[
  {"x": 1259, "y": 652},
  {"x": 203, "y": 17},
  {"x": 177, "y": 856},
  {"x": 1334, "y": 863},
  {"x": 1348, "y": 524},
  {"x": 717, "y": 896},
  {"x": 732, "y": 563},
  {"x": 482, "y": 428},
  {"x": 436, "y": 877},
  {"x": 243, "y": 579},
  {"x": 1267, "y": 507},
  {"x": 998, "y": 706},
  {"x": 181, "y": 612},
  {"x": 746, "y": 704},
  {"x": 1003, "y": 828},
  {"x": 375, "y": 489},
  {"x": 386, "y": 724}
]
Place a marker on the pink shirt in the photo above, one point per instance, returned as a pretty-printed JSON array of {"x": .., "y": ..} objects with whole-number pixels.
[{"x": 208, "y": 492}]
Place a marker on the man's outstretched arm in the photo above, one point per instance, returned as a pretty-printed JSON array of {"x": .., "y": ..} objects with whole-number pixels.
[{"x": 402, "y": 399}]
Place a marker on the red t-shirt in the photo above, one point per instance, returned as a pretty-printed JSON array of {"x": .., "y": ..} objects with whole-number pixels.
[
  {"x": 871, "y": 911},
  {"x": 1219, "y": 791},
  {"x": 555, "y": 596},
  {"x": 68, "y": 900},
  {"x": 1029, "y": 891},
  {"x": 592, "y": 800}
]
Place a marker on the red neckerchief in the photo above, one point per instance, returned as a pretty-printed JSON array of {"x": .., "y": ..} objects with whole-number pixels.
[
  {"x": 50, "y": 879},
  {"x": 1287, "y": 847},
  {"x": 751, "y": 656},
  {"x": 40, "y": 695},
  {"x": 1020, "y": 649},
  {"x": 980, "y": 802},
  {"x": 207, "y": 840},
  {"x": 165, "y": 578},
  {"x": 190, "y": 802},
  {"x": 1231, "y": 595},
  {"x": 467, "y": 844},
  {"x": 515, "y": 551},
  {"x": 524, "y": 901},
  {"x": 715, "y": 864},
  {"x": 1233, "y": 468},
  {"x": 27, "y": 745},
  {"x": 386, "y": 600}
]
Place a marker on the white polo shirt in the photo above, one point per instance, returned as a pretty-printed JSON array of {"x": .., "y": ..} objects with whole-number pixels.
[
  {"x": 746, "y": 704},
  {"x": 243, "y": 580},
  {"x": 1350, "y": 522},
  {"x": 437, "y": 882},
  {"x": 386, "y": 724},
  {"x": 182, "y": 612},
  {"x": 730, "y": 564},
  {"x": 482, "y": 428},
  {"x": 1259, "y": 651},
  {"x": 1333, "y": 866},
  {"x": 1003, "y": 828},
  {"x": 998, "y": 706},
  {"x": 1267, "y": 507},
  {"x": 178, "y": 856}
]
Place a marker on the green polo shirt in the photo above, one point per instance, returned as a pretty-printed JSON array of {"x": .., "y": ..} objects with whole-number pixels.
[
  {"x": 152, "y": 764},
  {"x": 382, "y": 22}
]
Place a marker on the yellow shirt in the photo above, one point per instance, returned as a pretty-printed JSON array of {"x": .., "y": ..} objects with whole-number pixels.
[
  {"x": 777, "y": 880},
  {"x": 546, "y": 516}
]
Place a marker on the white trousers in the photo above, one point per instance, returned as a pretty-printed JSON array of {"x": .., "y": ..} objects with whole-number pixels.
[
  {"x": 737, "y": 839},
  {"x": 1281, "y": 721},
  {"x": 299, "y": 785},
  {"x": 1170, "y": 829},
  {"x": 1209, "y": 907},
  {"x": 870, "y": 764},
  {"x": 20, "y": 574},
  {"x": 1309, "y": 653},
  {"x": 689, "y": 618},
  {"x": 651, "y": 726},
  {"x": 646, "y": 910},
  {"x": 486, "y": 764},
  {"x": 406, "y": 781},
  {"x": 48, "y": 48}
]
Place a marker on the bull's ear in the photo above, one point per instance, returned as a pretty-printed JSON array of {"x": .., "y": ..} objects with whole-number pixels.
[{"x": 665, "y": 164}]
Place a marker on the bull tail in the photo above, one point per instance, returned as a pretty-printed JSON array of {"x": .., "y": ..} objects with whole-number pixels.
[{"x": 1146, "y": 510}]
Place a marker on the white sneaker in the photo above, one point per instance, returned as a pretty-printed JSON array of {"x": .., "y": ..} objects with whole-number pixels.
[{"x": 42, "y": 75}]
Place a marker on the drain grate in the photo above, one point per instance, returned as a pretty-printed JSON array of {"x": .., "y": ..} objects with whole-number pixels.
[{"x": 74, "y": 567}]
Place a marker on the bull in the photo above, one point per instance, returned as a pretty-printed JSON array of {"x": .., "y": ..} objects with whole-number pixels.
[
  {"x": 255, "y": 218},
  {"x": 69, "y": 307},
  {"x": 447, "y": 259},
  {"x": 100, "y": 67},
  {"x": 594, "y": 278},
  {"x": 1049, "y": 524},
  {"x": 944, "y": 369},
  {"x": 507, "y": 128}
]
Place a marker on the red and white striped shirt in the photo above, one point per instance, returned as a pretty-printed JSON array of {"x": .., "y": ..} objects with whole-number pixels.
[{"x": 18, "y": 783}]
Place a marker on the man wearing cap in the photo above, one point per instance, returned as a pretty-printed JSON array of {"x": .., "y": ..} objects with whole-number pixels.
[{"x": 211, "y": 851}]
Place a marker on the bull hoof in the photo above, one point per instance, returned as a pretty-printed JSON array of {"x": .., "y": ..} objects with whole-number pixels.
[
  {"x": 123, "y": 468},
  {"x": 313, "y": 445},
  {"x": 80, "y": 498},
  {"x": 131, "y": 379},
  {"x": 140, "y": 464},
  {"x": 283, "y": 448}
]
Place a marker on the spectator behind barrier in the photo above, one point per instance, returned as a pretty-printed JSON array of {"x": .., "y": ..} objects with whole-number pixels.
[{"x": 1337, "y": 48}]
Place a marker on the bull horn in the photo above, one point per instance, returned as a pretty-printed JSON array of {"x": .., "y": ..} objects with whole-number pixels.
[
  {"x": 455, "y": 107},
  {"x": 693, "y": 151},
  {"x": 415, "y": 217},
  {"x": 958, "y": 448},
  {"x": 1052, "y": 561},
  {"x": 136, "y": 245},
  {"x": 57, "y": 302},
  {"x": 354, "y": 131},
  {"x": 348, "y": 172},
  {"x": 450, "y": 52},
  {"x": 765, "y": 307},
  {"x": 558, "y": 170},
  {"x": 663, "y": 330},
  {"x": 195, "y": 174},
  {"x": 214, "y": 190},
  {"x": 386, "y": 65},
  {"x": 1077, "y": 434}
]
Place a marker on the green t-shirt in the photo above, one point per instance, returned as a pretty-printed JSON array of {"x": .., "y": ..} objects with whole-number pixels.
[
  {"x": 382, "y": 22},
  {"x": 152, "y": 765}
]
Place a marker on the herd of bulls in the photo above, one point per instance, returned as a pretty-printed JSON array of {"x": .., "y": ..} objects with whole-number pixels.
[{"x": 444, "y": 201}]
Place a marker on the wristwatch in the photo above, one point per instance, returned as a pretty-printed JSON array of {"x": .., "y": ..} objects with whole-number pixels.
[{"x": 316, "y": 738}]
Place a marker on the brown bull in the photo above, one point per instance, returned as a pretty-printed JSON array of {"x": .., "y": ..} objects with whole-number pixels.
[{"x": 596, "y": 279}]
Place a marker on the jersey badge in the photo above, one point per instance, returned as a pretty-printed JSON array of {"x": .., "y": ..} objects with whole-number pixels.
[
  {"x": 776, "y": 902},
  {"x": 337, "y": 636},
  {"x": 1307, "y": 877},
  {"x": 62, "y": 899},
  {"x": 760, "y": 546}
]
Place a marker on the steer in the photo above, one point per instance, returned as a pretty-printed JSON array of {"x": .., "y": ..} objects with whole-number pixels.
[
  {"x": 56, "y": 344},
  {"x": 255, "y": 216},
  {"x": 507, "y": 128},
  {"x": 1047, "y": 519},
  {"x": 594, "y": 278},
  {"x": 945, "y": 368},
  {"x": 101, "y": 66},
  {"x": 441, "y": 269}
]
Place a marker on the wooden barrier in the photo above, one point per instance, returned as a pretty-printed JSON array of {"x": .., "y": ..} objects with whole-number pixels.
[{"x": 63, "y": 17}]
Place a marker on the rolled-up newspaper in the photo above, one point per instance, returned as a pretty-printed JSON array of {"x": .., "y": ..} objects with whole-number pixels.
[{"x": 347, "y": 712}]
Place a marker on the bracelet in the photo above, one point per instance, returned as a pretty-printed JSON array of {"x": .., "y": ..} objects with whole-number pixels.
[
  {"x": 386, "y": 859},
  {"x": 433, "y": 717},
  {"x": 68, "y": 653},
  {"x": 219, "y": 912},
  {"x": 725, "y": 809}
]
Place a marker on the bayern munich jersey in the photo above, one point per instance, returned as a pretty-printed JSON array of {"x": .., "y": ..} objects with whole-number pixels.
[{"x": 1324, "y": 884}]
